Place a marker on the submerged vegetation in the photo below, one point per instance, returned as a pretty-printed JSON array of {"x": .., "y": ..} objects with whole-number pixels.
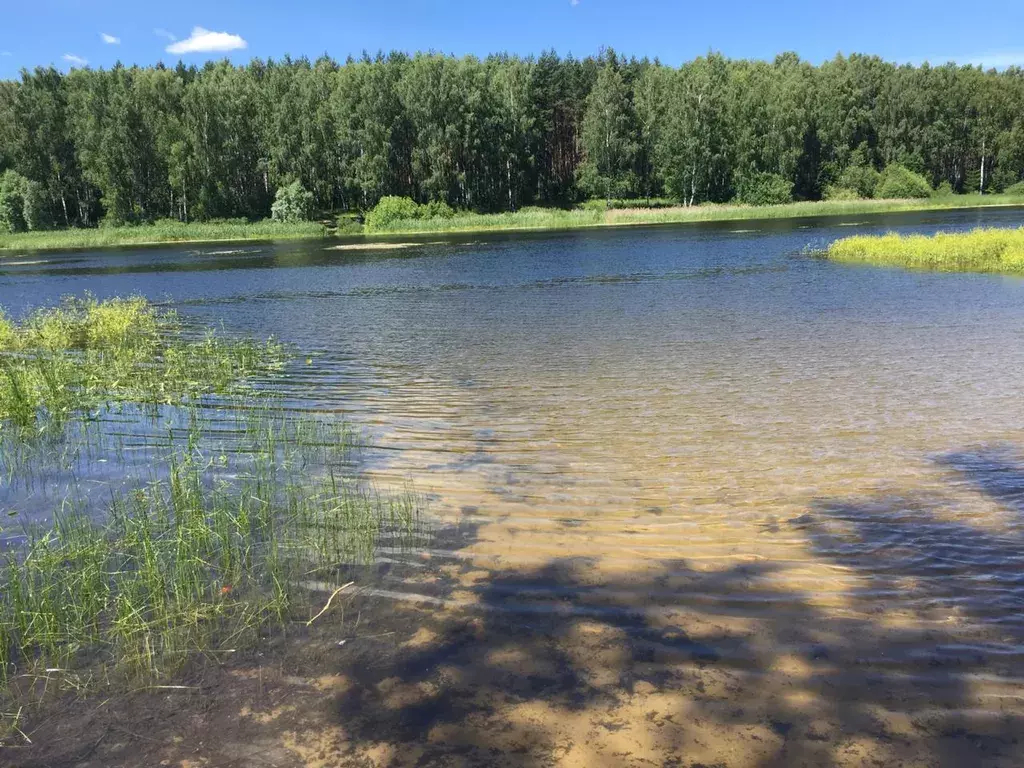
[
  {"x": 220, "y": 502},
  {"x": 981, "y": 250}
]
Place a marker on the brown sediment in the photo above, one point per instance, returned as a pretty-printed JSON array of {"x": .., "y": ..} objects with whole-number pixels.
[{"x": 578, "y": 676}]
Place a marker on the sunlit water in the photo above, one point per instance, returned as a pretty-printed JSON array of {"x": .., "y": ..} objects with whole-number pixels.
[{"x": 703, "y": 427}]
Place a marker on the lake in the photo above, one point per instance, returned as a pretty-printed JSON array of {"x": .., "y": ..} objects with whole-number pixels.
[{"x": 689, "y": 471}]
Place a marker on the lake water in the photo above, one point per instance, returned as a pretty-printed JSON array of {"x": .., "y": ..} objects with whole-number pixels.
[{"x": 696, "y": 463}]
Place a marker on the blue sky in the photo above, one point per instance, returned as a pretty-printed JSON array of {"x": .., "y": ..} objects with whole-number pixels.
[{"x": 71, "y": 32}]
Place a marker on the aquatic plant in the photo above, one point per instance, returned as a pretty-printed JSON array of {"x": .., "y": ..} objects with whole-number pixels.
[
  {"x": 201, "y": 554},
  {"x": 86, "y": 353},
  {"x": 981, "y": 250},
  {"x": 219, "y": 511}
]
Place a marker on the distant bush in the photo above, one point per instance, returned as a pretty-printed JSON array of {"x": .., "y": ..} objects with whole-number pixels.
[
  {"x": 292, "y": 203},
  {"x": 836, "y": 192},
  {"x": 643, "y": 202},
  {"x": 436, "y": 209},
  {"x": 945, "y": 189},
  {"x": 899, "y": 182},
  {"x": 347, "y": 224},
  {"x": 1015, "y": 189},
  {"x": 389, "y": 210},
  {"x": 394, "y": 209},
  {"x": 765, "y": 189},
  {"x": 862, "y": 179},
  {"x": 595, "y": 204}
]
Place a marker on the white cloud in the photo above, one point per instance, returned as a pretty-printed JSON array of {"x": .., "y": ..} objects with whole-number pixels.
[
  {"x": 75, "y": 61},
  {"x": 164, "y": 33},
  {"x": 110, "y": 39},
  {"x": 6, "y": 53},
  {"x": 204, "y": 41}
]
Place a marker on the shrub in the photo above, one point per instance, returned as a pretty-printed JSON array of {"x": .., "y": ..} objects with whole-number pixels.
[
  {"x": 293, "y": 202},
  {"x": 862, "y": 179},
  {"x": 899, "y": 182},
  {"x": 347, "y": 224},
  {"x": 436, "y": 209},
  {"x": 596, "y": 204},
  {"x": 945, "y": 189},
  {"x": 836, "y": 192},
  {"x": 765, "y": 189},
  {"x": 389, "y": 210},
  {"x": 1015, "y": 189}
]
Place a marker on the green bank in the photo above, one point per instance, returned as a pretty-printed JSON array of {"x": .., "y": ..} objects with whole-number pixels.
[
  {"x": 541, "y": 218},
  {"x": 531, "y": 218}
]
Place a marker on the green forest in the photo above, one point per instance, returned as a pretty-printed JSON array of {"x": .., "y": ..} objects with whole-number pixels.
[{"x": 133, "y": 145}]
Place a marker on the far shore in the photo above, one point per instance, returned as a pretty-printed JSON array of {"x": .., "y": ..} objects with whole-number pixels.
[{"x": 529, "y": 219}]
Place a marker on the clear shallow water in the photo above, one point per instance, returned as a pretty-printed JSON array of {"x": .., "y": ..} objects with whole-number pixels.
[{"x": 814, "y": 473}]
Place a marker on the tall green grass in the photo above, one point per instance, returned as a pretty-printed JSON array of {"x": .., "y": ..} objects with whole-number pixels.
[
  {"x": 216, "y": 503},
  {"x": 981, "y": 250},
  {"x": 811, "y": 209},
  {"x": 191, "y": 562},
  {"x": 86, "y": 354},
  {"x": 167, "y": 231},
  {"x": 527, "y": 218},
  {"x": 595, "y": 215}
]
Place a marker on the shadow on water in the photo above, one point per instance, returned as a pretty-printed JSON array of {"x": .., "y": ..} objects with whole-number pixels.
[{"x": 676, "y": 665}]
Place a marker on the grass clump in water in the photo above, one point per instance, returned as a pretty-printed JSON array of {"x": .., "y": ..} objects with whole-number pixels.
[
  {"x": 86, "y": 354},
  {"x": 192, "y": 563},
  {"x": 211, "y": 524},
  {"x": 981, "y": 250}
]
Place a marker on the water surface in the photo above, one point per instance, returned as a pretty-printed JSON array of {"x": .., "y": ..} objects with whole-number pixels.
[{"x": 796, "y": 483}]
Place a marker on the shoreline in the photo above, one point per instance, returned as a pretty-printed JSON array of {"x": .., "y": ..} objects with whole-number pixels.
[{"x": 545, "y": 220}]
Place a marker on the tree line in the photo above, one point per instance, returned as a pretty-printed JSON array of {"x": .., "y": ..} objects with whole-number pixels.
[{"x": 133, "y": 144}]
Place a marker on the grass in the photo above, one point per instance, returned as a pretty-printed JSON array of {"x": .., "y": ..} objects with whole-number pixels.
[
  {"x": 220, "y": 503},
  {"x": 981, "y": 250},
  {"x": 531, "y": 218},
  {"x": 167, "y": 231},
  {"x": 553, "y": 218},
  {"x": 86, "y": 354}
]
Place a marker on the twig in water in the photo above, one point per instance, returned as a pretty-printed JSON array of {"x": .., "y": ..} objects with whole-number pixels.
[{"x": 329, "y": 601}]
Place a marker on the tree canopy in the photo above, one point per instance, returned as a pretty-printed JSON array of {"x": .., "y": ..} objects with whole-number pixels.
[{"x": 133, "y": 144}]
